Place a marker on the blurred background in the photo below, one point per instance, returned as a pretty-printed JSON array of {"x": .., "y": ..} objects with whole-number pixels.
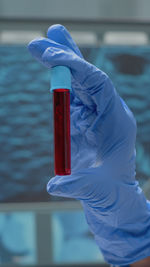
[{"x": 35, "y": 228}]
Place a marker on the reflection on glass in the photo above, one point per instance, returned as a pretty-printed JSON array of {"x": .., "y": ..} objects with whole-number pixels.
[
  {"x": 17, "y": 238},
  {"x": 72, "y": 240}
]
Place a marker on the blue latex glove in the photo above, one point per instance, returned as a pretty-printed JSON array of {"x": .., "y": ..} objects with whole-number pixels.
[{"x": 103, "y": 135}]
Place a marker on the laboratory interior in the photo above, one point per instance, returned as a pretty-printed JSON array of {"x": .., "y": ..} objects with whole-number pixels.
[{"x": 38, "y": 229}]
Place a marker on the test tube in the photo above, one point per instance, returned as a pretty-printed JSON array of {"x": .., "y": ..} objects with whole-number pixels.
[{"x": 60, "y": 86}]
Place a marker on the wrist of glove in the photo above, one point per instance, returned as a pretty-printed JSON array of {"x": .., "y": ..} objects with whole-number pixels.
[{"x": 117, "y": 212}]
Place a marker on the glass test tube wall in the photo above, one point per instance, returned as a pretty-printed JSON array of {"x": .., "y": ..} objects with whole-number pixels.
[{"x": 60, "y": 86}]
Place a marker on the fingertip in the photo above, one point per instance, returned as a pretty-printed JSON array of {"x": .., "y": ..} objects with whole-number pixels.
[
  {"x": 60, "y": 34},
  {"x": 35, "y": 41},
  {"x": 32, "y": 45},
  {"x": 56, "y": 186},
  {"x": 50, "y": 185},
  {"x": 37, "y": 47},
  {"x": 54, "y": 30}
]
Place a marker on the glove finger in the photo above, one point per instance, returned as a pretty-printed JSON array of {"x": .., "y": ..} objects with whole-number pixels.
[
  {"x": 51, "y": 54},
  {"x": 76, "y": 185},
  {"x": 59, "y": 34},
  {"x": 38, "y": 46},
  {"x": 95, "y": 90}
]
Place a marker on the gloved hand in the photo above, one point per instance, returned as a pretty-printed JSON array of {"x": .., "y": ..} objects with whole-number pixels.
[{"x": 103, "y": 134}]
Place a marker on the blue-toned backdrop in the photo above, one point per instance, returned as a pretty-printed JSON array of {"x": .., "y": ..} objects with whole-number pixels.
[{"x": 26, "y": 131}]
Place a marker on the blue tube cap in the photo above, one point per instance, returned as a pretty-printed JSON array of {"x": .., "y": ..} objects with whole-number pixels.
[{"x": 60, "y": 78}]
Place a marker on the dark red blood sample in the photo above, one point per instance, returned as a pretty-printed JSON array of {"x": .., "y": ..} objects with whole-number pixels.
[{"x": 62, "y": 147}]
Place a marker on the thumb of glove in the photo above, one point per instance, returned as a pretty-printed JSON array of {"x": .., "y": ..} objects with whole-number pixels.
[{"x": 76, "y": 185}]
